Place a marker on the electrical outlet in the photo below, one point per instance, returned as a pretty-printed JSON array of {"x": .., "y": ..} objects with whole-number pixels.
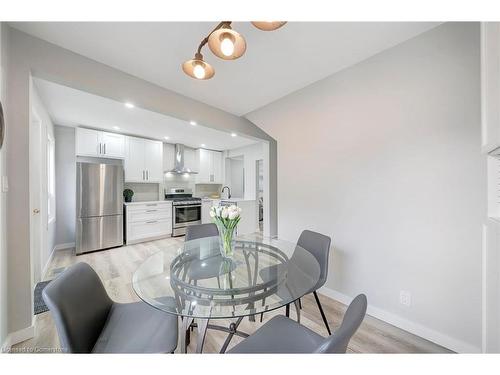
[{"x": 405, "y": 298}]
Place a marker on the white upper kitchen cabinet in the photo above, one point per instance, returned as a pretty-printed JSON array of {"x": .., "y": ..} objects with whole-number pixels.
[
  {"x": 190, "y": 159},
  {"x": 144, "y": 161},
  {"x": 99, "y": 144},
  {"x": 113, "y": 145},
  {"x": 153, "y": 159},
  {"x": 209, "y": 165},
  {"x": 490, "y": 86}
]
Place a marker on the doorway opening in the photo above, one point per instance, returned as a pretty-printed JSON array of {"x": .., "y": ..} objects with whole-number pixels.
[
  {"x": 37, "y": 240},
  {"x": 259, "y": 188},
  {"x": 235, "y": 175}
]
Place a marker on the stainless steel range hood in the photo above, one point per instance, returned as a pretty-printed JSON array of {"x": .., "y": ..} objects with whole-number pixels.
[{"x": 179, "y": 167}]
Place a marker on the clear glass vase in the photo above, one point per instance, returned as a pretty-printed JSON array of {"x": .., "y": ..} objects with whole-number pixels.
[{"x": 226, "y": 242}]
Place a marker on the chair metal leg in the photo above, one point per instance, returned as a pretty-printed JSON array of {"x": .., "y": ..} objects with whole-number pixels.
[
  {"x": 322, "y": 312},
  {"x": 261, "y": 317},
  {"x": 287, "y": 311},
  {"x": 300, "y": 304},
  {"x": 297, "y": 309}
]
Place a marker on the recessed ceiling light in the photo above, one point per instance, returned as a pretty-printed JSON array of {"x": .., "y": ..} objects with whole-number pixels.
[
  {"x": 116, "y": 127},
  {"x": 203, "y": 145},
  {"x": 193, "y": 123},
  {"x": 129, "y": 105},
  {"x": 233, "y": 134},
  {"x": 166, "y": 137}
]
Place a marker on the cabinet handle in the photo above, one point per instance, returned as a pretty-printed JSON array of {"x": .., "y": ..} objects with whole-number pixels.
[
  {"x": 151, "y": 222},
  {"x": 104, "y": 148},
  {"x": 147, "y": 175},
  {"x": 152, "y": 205},
  {"x": 100, "y": 148},
  {"x": 143, "y": 176},
  {"x": 151, "y": 210}
]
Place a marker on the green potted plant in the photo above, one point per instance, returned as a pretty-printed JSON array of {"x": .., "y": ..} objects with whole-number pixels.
[{"x": 128, "y": 194}]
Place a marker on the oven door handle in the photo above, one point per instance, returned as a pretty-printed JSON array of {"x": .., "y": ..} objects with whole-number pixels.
[{"x": 191, "y": 205}]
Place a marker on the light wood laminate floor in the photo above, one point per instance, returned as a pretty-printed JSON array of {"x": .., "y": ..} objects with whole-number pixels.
[{"x": 116, "y": 266}]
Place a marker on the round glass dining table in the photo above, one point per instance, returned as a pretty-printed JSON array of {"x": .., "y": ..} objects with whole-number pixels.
[{"x": 194, "y": 281}]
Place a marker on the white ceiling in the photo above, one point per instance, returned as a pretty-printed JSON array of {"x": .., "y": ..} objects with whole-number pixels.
[
  {"x": 274, "y": 65},
  {"x": 70, "y": 107}
]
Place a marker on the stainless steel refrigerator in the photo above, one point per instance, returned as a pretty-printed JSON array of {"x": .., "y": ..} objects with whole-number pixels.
[{"x": 99, "y": 206}]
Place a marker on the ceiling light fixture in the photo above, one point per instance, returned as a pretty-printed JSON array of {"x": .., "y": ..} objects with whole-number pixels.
[
  {"x": 233, "y": 134},
  {"x": 129, "y": 105},
  {"x": 197, "y": 68},
  {"x": 225, "y": 43},
  {"x": 116, "y": 127},
  {"x": 167, "y": 138},
  {"x": 268, "y": 25},
  {"x": 193, "y": 123},
  {"x": 203, "y": 145}
]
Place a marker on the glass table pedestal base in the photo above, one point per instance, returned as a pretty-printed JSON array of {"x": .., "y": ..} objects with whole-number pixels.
[{"x": 202, "y": 325}]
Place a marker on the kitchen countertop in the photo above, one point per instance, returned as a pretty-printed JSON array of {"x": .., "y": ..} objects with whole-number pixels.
[
  {"x": 146, "y": 202},
  {"x": 237, "y": 200}
]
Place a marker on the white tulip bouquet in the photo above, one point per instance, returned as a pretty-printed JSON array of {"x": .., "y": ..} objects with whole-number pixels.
[{"x": 226, "y": 218}]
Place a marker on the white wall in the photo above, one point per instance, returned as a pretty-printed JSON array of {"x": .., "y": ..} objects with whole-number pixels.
[
  {"x": 384, "y": 157},
  {"x": 234, "y": 177},
  {"x": 250, "y": 155},
  {"x": 65, "y": 185},
  {"x": 47, "y": 128},
  {"x": 3, "y": 196}
]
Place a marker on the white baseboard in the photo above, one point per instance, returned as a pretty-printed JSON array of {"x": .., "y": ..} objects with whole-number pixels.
[
  {"x": 16, "y": 337},
  {"x": 64, "y": 246},
  {"x": 409, "y": 326}
]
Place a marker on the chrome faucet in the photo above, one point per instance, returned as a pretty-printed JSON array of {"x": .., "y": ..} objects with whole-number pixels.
[{"x": 228, "y": 191}]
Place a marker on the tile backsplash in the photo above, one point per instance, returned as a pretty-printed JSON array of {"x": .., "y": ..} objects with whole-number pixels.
[
  {"x": 172, "y": 180},
  {"x": 144, "y": 192},
  {"x": 208, "y": 190}
]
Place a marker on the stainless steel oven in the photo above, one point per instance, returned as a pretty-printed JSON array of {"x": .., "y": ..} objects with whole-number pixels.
[
  {"x": 184, "y": 215},
  {"x": 186, "y": 210}
]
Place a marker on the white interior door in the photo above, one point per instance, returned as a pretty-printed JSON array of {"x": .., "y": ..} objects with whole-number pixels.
[{"x": 36, "y": 196}]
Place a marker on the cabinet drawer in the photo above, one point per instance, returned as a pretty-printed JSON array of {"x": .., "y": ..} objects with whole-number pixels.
[
  {"x": 147, "y": 229},
  {"x": 149, "y": 214},
  {"x": 150, "y": 206}
]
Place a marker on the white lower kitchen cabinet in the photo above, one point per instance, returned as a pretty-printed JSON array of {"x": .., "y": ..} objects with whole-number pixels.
[
  {"x": 249, "y": 222},
  {"x": 206, "y": 205},
  {"x": 146, "y": 221}
]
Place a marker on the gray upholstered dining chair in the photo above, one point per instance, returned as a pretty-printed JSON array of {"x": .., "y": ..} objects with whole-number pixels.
[
  {"x": 195, "y": 232},
  {"x": 319, "y": 246},
  {"x": 88, "y": 321},
  {"x": 283, "y": 335}
]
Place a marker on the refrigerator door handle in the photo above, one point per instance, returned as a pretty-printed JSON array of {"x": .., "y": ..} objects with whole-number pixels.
[{"x": 147, "y": 175}]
